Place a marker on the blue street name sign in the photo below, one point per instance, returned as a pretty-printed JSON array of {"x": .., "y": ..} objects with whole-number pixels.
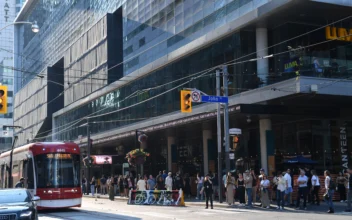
[{"x": 220, "y": 99}]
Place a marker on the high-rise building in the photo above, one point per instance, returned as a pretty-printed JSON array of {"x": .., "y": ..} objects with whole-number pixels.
[
  {"x": 9, "y": 8},
  {"x": 120, "y": 65}
]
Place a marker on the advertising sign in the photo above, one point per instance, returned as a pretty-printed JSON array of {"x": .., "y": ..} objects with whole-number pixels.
[
  {"x": 101, "y": 159},
  {"x": 156, "y": 197}
]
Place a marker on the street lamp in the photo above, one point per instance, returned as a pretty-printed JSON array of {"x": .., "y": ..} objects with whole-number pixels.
[{"x": 35, "y": 27}]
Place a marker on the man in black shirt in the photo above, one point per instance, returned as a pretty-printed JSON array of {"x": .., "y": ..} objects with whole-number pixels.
[
  {"x": 208, "y": 189},
  {"x": 20, "y": 184},
  {"x": 178, "y": 182},
  {"x": 349, "y": 195}
]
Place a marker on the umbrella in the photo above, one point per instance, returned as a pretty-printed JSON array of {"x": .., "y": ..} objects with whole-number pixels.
[{"x": 301, "y": 160}]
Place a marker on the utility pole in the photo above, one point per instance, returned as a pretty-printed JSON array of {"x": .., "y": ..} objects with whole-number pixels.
[
  {"x": 219, "y": 136},
  {"x": 226, "y": 119},
  {"x": 88, "y": 154},
  {"x": 135, "y": 143},
  {"x": 10, "y": 181}
]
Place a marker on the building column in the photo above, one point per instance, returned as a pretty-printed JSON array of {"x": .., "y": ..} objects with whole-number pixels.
[
  {"x": 170, "y": 142},
  {"x": 207, "y": 135},
  {"x": 264, "y": 126},
  {"x": 261, "y": 46}
]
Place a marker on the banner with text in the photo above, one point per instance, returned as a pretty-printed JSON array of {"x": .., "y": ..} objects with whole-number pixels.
[{"x": 156, "y": 197}]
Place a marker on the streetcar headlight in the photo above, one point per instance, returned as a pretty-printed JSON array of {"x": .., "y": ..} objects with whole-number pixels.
[{"x": 26, "y": 214}]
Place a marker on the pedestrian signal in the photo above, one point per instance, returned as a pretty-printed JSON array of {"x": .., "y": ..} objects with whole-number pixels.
[
  {"x": 186, "y": 102},
  {"x": 3, "y": 99},
  {"x": 235, "y": 142}
]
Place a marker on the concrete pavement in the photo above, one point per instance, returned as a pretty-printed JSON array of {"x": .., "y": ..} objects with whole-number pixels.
[
  {"x": 105, "y": 209},
  {"x": 339, "y": 207}
]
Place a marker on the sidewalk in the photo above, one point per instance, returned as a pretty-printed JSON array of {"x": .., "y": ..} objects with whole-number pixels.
[{"x": 339, "y": 207}]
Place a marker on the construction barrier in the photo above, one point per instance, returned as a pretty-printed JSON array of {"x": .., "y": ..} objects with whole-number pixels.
[{"x": 156, "y": 197}]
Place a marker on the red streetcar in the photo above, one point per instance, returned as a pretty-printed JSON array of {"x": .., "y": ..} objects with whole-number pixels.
[{"x": 51, "y": 171}]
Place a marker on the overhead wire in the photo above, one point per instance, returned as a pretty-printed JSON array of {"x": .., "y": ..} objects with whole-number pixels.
[{"x": 226, "y": 63}]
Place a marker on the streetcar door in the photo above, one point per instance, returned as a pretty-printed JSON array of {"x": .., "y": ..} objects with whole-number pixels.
[{"x": 29, "y": 175}]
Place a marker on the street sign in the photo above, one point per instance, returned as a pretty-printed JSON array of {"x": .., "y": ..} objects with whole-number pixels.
[
  {"x": 235, "y": 131},
  {"x": 232, "y": 156},
  {"x": 195, "y": 96},
  {"x": 217, "y": 99}
]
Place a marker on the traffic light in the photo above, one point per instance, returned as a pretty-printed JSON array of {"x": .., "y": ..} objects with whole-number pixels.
[
  {"x": 186, "y": 102},
  {"x": 235, "y": 142},
  {"x": 3, "y": 99}
]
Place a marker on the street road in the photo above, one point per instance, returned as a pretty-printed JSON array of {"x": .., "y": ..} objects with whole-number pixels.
[{"x": 106, "y": 209}]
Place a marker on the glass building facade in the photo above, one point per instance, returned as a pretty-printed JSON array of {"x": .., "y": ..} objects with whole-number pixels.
[{"x": 158, "y": 52}]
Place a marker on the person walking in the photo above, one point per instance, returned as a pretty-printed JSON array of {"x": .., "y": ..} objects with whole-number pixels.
[
  {"x": 302, "y": 183},
  {"x": 329, "y": 191},
  {"x": 241, "y": 189},
  {"x": 280, "y": 191},
  {"x": 248, "y": 181},
  {"x": 199, "y": 183},
  {"x": 340, "y": 181},
  {"x": 349, "y": 196},
  {"x": 208, "y": 190},
  {"x": 125, "y": 185},
  {"x": 315, "y": 188},
  {"x": 151, "y": 183},
  {"x": 230, "y": 183},
  {"x": 92, "y": 185},
  {"x": 264, "y": 191}
]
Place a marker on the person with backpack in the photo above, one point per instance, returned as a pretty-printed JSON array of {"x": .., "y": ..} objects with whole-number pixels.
[
  {"x": 330, "y": 189},
  {"x": 103, "y": 185}
]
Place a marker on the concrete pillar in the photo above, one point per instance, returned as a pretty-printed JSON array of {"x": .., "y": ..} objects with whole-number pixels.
[
  {"x": 206, "y": 136},
  {"x": 261, "y": 45},
  {"x": 170, "y": 142},
  {"x": 264, "y": 125}
]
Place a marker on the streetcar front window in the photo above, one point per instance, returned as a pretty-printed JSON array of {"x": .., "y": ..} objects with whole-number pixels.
[{"x": 57, "y": 170}]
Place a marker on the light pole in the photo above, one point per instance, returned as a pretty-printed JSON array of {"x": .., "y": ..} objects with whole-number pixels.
[{"x": 35, "y": 27}]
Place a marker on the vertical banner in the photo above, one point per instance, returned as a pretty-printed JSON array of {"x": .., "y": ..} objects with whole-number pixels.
[
  {"x": 344, "y": 147},
  {"x": 270, "y": 146},
  {"x": 156, "y": 197}
]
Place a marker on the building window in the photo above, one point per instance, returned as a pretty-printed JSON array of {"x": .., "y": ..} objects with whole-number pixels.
[
  {"x": 10, "y": 94},
  {"x": 141, "y": 42}
]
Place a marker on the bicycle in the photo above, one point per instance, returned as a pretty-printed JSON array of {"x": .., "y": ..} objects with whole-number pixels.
[{"x": 142, "y": 198}]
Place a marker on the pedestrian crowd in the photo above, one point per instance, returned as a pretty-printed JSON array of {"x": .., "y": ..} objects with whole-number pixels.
[{"x": 247, "y": 188}]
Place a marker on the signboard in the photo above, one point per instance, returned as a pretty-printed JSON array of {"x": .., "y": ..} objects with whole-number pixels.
[
  {"x": 344, "y": 148},
  {"x": 216, "y": 99},
  {"x": 235, "y": 131},
  {"x": 196, "y": 96},
  {"x": 101, "y": 159},
  {"x": 156, "y": 197}
]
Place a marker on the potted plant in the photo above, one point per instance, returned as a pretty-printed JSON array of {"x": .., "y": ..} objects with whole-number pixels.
[{"x": 136, "y": 156}]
